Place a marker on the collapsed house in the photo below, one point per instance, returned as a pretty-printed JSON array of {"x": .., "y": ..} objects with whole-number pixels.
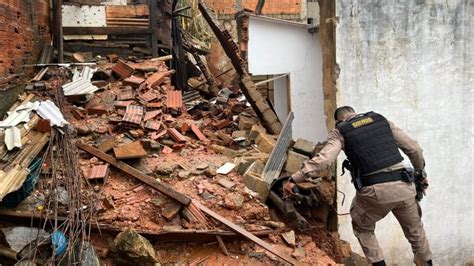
[{"x": 124, "y": 136}]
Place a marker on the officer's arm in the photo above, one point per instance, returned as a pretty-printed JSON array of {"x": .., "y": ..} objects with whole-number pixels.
[
  {"x": 409, "y": 146},
  {"x": 321, "y": 163}
]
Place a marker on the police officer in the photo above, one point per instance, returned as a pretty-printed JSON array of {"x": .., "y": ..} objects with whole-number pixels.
[{"x": 371, "y": 144}]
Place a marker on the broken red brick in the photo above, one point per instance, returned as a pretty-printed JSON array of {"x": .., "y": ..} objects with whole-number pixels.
[
  {"x": 221, "y": 123},
  {"x": 122, "y": 104},
  {"x": 179, "y": 146},
  {"x": 43, "y": 126},
  {"x": 133, "y": 120},
  {"x": 133, "y": 81},
  {"x": 135, "y": 110},
  {"x": 178, "y": 137},
  {"x": 198, "y": 132},
  {"x": 138, "y": 189},
  {"x": 130, "y": 150},
  {"x": 184, "y": 127},
  {"x": 122, "y": 69},
  {"x": 148, "y": 96},
  {"x": 174, "y": 99},
  {"x": 151, "y": 114},
  {"x": 156, "y": 79},
  {"x": 155, "y": 135},
  {"x": 153, "y": 106},
  {"x": 99, "y": 109},
  {"x": 99, "y": 172},
  {"x": 166, "y": 150},
  {"x": 125, "y": 94},
  {"x": 153, "y": 125}
]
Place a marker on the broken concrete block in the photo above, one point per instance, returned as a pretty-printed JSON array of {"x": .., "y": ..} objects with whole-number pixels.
[
  {"x": 239, "y": 134},
  {"x": 131, "y": 248},
  {"x": 246, "y": 123},
  {"x": 304, "y": 147},
  {"x": 295, "y": 161},
  {"x": 255, "y": 131},
  {"x": 255, "y": 183},
  {"x": 253, "y": 180},
  {"x": 265, "y": 143}
]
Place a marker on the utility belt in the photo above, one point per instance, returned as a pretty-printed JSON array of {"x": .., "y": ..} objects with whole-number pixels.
[
  {"x": 384, "y": 177},
  {"x": 363, "y": 181}
]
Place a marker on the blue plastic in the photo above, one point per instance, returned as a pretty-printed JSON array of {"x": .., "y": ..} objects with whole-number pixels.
[{"x": 59, "y": 241}]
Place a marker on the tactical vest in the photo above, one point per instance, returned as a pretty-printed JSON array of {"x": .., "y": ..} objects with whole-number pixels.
[{"x": 369, "y": 143}]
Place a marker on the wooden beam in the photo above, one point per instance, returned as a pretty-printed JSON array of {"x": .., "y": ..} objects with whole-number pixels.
[
  {"x": 245, "y": 233},
  {"x": 104, "y": 30},
  {"x": 173, "y": 235},
  {"x": 165, "y": 189},
  {"x": 153, "y": 26},
  {"x": 58, "y": 29}
]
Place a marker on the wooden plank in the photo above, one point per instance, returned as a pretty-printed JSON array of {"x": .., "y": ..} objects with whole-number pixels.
[
  {"x": 128, "y": 11},
  {"x": 245, "y": 233},
  {"x": 153, "y": 26},
  {"x": 222, "y": 245},
  {"x": 104, "y": 30},
  {"x": 165, "y": 189},
  {"x": 176, "y": 235},
  {"x": 58, "y": 29}
]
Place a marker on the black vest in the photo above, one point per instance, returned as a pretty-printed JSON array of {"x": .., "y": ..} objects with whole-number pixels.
[{"x": 369, "y": 143}]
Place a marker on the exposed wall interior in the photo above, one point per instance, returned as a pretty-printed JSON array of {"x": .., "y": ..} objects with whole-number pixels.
[
  {"x": 413, "y": 62},
  {"x": 278, "y": 47},
  {"x": 24, "y": 31}
]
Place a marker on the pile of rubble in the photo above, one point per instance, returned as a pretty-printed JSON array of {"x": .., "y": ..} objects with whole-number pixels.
[
  {"x": 158, "y": 158},
  {"x": 162, "y": 162}
]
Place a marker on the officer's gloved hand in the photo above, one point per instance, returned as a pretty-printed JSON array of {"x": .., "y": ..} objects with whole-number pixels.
[
  {"x": 288, "y": 188},
  {"x": 425, "y": 185}
]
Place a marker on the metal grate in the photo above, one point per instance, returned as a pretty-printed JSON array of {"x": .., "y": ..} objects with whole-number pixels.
[{"x": 278, "y": 155}]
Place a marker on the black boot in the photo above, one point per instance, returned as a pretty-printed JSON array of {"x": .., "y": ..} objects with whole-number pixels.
[{"x": 379, "y": 263}]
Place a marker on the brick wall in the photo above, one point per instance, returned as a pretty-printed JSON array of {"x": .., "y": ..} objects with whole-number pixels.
[
  {"x": 271, "y": 7},
  {"x": 24, "y": 29}
]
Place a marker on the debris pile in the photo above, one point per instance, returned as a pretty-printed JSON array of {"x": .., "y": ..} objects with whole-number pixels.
[{"x": 114, "y": 146}]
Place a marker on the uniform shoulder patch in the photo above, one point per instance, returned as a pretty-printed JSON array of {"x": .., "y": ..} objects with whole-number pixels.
[{"x": 362, "y": 122}]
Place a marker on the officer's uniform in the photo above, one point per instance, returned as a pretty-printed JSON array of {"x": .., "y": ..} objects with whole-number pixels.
[{"x": 372, "y": 145}]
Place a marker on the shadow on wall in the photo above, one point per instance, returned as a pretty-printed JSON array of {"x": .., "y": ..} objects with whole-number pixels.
[{"x": 7, "y": 97}]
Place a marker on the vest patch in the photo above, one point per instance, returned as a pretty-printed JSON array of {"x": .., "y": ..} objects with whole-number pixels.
[{"x": 362, "y": 122}]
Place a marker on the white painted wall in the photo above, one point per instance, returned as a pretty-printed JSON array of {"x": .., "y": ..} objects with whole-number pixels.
[
  {"x": 413, "y": 61},
  {"x": 277, "y": 47},
  {"x": 84, "y": 16},
  {"x": 280, "y": 95}
]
